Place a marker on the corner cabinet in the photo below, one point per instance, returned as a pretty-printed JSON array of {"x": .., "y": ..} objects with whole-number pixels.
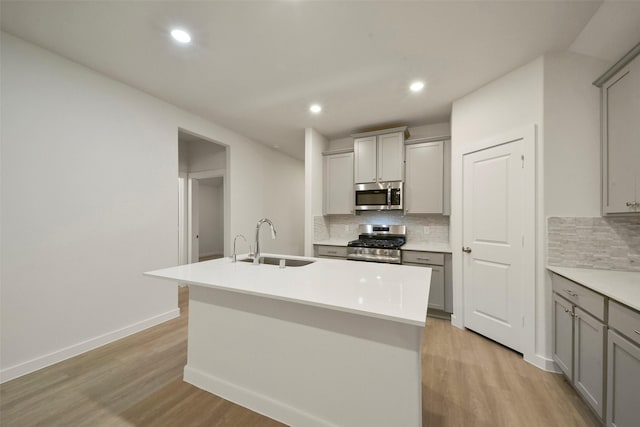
[
  {"x": 621, "y": 136},
  {"x": 426, "y": 184},
  {"x": 596, "y": 344},
  {"x": 379, "y": 157},
  {"x": 338, "y": 183}
]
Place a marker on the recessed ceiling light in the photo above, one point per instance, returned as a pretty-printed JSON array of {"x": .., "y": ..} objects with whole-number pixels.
[
  {"x": 180, "y": 35},
  {"x": 315, "y": 108},
  {"x": 416, "y": 86}
]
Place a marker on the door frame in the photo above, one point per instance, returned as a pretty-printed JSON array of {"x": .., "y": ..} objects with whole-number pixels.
[
  {"x": 184, "y": 211},
  {"x": 528, "y": 134}
]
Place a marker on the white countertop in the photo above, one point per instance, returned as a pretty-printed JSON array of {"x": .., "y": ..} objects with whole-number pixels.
[
  {"x": 387, "y": 291},
  {"x": 409, "y": 246},
  {"x": 333, "y": 242},
  {"x": 622, "y": 286}
]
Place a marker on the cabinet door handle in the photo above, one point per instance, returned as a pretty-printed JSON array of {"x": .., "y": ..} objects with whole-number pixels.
[
  {"x": 636, "y": 331},
  {"x": 573, "y": 294},
  {"x": 331, "y": 252},
  {"x": 631, "y": 204}
]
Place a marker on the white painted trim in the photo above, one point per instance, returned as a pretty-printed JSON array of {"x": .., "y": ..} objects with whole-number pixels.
[
  {"x": 182, "y": 223},
  {"x": 543, "y": 363},
  {"x": 528, "y": 135},
  {"x": 84, "y": 346},
  {"x": 189, "y": 220},
  {"x": 257, "y": 402}
]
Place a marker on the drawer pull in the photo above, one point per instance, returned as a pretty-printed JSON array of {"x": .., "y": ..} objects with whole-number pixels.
[
  {"x": 423, "y": 259},
  {"x": 331, "y": 252},
  {"x": 573, "y": 294}
]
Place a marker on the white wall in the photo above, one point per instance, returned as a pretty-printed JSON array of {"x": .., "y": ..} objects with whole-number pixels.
[
  {"x": 204, "y": 156},
  {"x": 511, "y": 102},
  {"x": 211, "y": 241},
  {"x": 89, "y": 202},
  {"x": 572, "y": 134},
  {"x": 556, "y": 93},
  {"x": 314, "y": 144}
]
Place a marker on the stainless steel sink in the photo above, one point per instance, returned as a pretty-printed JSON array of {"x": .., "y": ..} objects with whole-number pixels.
[{"x": 276, "y": 261}]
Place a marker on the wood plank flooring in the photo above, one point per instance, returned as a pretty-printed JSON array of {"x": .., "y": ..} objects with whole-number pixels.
[{"x": 467, "y": 381}]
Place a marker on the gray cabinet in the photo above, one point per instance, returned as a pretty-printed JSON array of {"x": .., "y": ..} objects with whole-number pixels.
[
  {"x": 329, "y": 251},
  {"x": 621, "y": 141},
  {"x": 439, "y": 280},
  {"x": 338, "y": 184},
  {"x": 563, "y": 335},
  {"x": 579, "y": 338},
  {"x": 623, "y": 366},
  {"x": 588, "y": 359},
  {"x": 379, "y": 156},
  {"x": 424, "y": 178}
]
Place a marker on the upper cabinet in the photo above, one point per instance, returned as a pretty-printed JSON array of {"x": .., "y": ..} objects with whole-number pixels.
[
  {"x": 338, "y": 183},
  {"x": 379, "y": 157},
  {"x": 621, "y": 136},
  {"x": 424, "y": 177},
  {"x": 427, "y": 179}
]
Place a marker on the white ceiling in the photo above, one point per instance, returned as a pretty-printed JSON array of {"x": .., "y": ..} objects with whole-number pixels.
[{"x": 255, "y": 67}]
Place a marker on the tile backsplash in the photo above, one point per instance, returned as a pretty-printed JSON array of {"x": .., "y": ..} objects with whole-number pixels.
[
  {"x": 603, "y": 243},
  {"x": 420, "y": 228}
]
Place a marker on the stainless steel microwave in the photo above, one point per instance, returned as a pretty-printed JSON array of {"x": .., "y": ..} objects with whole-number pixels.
[{"x": 378, "y": 196}]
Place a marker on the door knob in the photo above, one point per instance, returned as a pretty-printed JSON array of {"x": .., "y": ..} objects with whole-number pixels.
[{"x": 466, "y": 250}]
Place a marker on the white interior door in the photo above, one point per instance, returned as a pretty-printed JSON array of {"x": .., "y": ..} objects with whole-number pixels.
[
  {"x": 493, "y": 187},
  {"x": 194, "y": 220}
]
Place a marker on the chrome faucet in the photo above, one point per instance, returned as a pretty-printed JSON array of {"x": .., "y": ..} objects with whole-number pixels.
[
  {"x": 256, "y": 259},
  {"x": 233, "y": 257}
]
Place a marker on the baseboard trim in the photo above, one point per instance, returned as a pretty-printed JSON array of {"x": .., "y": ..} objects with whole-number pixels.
[
  {"x": 543, "y": 363},
  {"x": 52, "y": 358},
  {"x": 252, "y": 400}
]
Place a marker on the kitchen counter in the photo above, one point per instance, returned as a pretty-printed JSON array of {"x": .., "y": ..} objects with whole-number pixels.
[
  {"x": 333, "y": 242},
  {"x": 622, "y": 286},
  {"x": 387, "y": 291},
  {"x": 331, "y": 343}
]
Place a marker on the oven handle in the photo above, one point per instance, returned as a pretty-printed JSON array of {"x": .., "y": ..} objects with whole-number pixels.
[{"x": 389, "y": 196}]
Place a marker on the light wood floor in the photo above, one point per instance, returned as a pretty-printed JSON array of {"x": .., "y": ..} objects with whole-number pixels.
[{"x": 137, "y": 381}]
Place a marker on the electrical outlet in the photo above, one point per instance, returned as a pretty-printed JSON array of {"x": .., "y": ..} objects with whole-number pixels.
[{"x": 426, "y": 229}]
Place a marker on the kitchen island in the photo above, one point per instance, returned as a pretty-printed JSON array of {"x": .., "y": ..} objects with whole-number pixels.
[{"x": 331, "y": 343}]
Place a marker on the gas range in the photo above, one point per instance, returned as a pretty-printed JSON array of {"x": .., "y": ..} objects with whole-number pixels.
[{"x": 378, "y": 243}]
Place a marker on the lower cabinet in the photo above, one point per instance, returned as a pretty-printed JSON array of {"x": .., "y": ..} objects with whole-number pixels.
[
  {"x": 435, "y": 261},
  {"x": 326, "y": 251},
  {"x": 623, "y": 367},
  {"x": 598, "y": 350},
  {"x": 588, "y": 359},
  {"x": 579, "y": 340},
  {"x": 563, "y": 335}
]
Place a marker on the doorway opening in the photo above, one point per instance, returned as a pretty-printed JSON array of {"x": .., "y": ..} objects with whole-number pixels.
[{"x": 203, "y": 198}]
